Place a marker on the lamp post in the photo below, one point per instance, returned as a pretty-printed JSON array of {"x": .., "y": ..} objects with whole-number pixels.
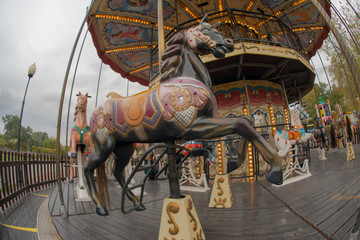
[{"x": 31, "y": 72}]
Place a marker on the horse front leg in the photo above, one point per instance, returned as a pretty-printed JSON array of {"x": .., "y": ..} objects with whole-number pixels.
[{"x": 206, "y": 128}]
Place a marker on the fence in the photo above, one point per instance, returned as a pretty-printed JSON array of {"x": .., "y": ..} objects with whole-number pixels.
[{"x": 21, "y": 173}]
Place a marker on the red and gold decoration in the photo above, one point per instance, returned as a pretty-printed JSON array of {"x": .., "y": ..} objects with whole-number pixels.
[{"x": 232, "y": 101}]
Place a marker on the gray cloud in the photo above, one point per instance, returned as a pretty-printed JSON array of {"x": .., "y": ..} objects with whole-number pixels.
[{"x": 44, "y": 32}]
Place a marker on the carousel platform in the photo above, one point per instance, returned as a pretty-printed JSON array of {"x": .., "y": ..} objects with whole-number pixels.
[{"x": 323, "y": 206}]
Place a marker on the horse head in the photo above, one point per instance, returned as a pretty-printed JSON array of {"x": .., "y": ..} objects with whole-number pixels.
[
  {"x": 180, "y": 58},
  {"x": 81, "y": 103},
  {"x": 205, "y": 39}
]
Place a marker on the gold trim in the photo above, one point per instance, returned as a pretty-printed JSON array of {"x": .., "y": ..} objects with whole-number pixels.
[
  {"x": 173, "y": 207},
  {"x": 221, "y": 191},
  {"x": 189, "y": 207}
]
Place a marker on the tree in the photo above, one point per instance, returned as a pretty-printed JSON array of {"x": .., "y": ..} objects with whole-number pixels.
[
  {"x": 50, "y": 143},
  {"x": 338, "y": 69},
  {"x": 38, "y": 138},
  {"x": 11, "y": 126},
  {"x": 27, "y": 137}
]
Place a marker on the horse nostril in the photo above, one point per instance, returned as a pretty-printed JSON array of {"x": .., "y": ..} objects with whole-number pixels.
[{"x": 229, "y": 42}]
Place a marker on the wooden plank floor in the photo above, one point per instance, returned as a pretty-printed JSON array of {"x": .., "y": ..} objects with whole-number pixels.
[
  {"x": 20, "y": 219},
  {"x": 323, "y": 206}
]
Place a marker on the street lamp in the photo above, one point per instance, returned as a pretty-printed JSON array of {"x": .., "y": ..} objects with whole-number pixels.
[{"x": 31, "y": 72}]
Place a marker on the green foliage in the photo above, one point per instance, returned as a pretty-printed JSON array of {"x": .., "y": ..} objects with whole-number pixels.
[
  {"x": 345, "y": 91},
  {"x": 43, "y": 150},
  {"x": 11, "y": 126},
  {"x": 50, "y": 143},
  {"x": 38, "y": 138},
  {"x": 39, "y": 141}
]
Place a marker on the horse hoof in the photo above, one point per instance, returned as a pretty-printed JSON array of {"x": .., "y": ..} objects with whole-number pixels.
[
  {"x": 275, "y": 177},
  {"x": 231, "y": 165},
  {"x": 140, "y": 208},
  {"x": 102, "y": 211}
]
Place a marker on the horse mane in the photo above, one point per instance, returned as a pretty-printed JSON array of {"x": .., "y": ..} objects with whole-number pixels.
[
  {"x": 75, "y": 113},
  {"x": 171, "y": 58}
]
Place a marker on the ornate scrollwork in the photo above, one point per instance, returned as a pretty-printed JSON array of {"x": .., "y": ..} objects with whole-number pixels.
[
  {"x": 221, "y": 191},
  {"x": 189, "y": 207},
  {"x": 172, "y": 208},
  {"x": 220, "y": 201},
  {"x": 199, "y": 235}
]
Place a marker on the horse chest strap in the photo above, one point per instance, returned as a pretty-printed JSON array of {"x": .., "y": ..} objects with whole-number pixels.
[{"x": 82, "y": 132}]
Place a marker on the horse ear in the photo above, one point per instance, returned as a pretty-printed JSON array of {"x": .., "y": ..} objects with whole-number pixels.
[{"x": 205, "y": 19}]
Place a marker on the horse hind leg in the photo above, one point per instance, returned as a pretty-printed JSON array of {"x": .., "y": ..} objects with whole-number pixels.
[
  {"x": 94, "y": 161},
  {"x": 123, "y": 154},
  {"x": 274, "y": 175},
  {"x": 218, "y": 127}
]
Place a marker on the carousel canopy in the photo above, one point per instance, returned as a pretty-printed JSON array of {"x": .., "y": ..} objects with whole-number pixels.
[{"x": 125, "y": 31}]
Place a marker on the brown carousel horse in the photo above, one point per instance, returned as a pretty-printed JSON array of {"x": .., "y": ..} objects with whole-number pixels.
[
  {"x": 80, "y": 137},
  {"x": 182, "y": 106}
]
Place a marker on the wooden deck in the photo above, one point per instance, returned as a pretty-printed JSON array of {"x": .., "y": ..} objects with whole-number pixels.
[
  {"x": 19, "y": 221},
  {"x": 323, "y": 206}
]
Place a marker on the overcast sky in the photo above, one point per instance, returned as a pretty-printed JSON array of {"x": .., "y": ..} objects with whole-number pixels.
[{"x": 44, "y": 32}]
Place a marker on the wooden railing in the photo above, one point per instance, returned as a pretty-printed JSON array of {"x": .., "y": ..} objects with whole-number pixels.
[{"x": 21, "y": 173}]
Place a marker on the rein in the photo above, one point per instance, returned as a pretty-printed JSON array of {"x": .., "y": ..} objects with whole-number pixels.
[{"x": 193, "y": 34}]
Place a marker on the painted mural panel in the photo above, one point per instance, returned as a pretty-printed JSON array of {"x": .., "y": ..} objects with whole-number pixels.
[
  {"x": 144, "y": 7},
  {"x": 121, "y": 34},
  {"x": 232, "y": 101}
]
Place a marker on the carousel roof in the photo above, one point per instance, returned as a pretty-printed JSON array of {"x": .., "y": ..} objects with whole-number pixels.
[{"x": 125, "y": 31}]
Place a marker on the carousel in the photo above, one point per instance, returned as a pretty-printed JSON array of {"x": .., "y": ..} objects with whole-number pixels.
[
  {"x": 224, "y": 80},
  {"x": 268, "y": 69}
]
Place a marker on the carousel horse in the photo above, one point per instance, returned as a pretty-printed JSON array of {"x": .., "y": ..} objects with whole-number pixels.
[
  {"x": 80, "y": 137},
  {"x": 181, "y": 106},
  {"x": 284, "y": 139},
  {"x": 343, "y": 123}
]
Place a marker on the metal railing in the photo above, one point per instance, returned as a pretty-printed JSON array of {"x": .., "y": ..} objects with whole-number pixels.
[{"x": 240, "y": 27}]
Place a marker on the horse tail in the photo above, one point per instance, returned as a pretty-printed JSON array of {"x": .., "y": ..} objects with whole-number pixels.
[
  {"x": 348, "y": 128},
  {"x": 102, "y": 185},
  {"x": 332, "y": 136}
]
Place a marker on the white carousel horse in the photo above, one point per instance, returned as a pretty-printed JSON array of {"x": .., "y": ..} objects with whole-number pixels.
[{"x": 284, "y": 139}]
